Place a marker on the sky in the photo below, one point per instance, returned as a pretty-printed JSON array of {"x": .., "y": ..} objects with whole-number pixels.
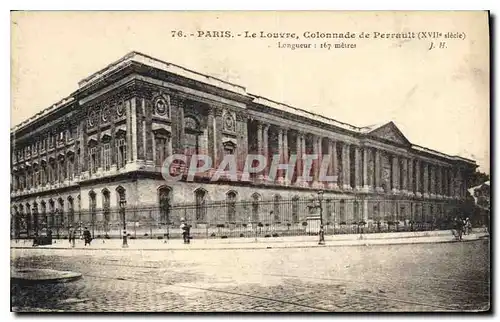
[{"x": 438, "y": 98}]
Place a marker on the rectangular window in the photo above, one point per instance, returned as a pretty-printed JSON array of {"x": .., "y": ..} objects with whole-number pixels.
[
  {"x": 62, "y": 167},
  {"x": 70, "y": 168},
  {"x": 121, "y": 153},
  {"x": 94, "y": 161},
  {"x": 106, "y": 157},
  {"x": 160, "y": 150}
]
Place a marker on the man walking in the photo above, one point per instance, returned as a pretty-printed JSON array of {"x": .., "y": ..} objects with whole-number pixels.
[
  {"x": 86, "y": 236},
  {"x": 72, "y": 236},
  {"x": 185, "y": 227}
]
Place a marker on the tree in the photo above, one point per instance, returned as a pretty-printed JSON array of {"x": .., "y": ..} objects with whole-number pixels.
[{"x": 478, "y": 178}]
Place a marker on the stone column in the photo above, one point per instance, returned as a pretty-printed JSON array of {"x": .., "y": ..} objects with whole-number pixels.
[
  {"x": 260, "y": 147},
  {"x": 378, "y": 171},
  {"x": 438, "y": 181},
  {"x": 446, "y": 183},
  {"x": 131, "y": 148},
  {"x": 411, "y": 188},
  {"x": 285, "y": 145},
  {"x": 317, "y": 163},
  {"x": 298, "y": 163},
  {"x": 451, "y": 183},
  {"x": 432, "y": 179},
  {"x": 404, "y": 174},
  {"x": 426, "y": 180},
  {"x": 285, "y": 156},
  {"x": 357, "y": 168},
  {"x": 366, "y": 186},
  {"x": 304, "y": 183},
  {"x": 279, "y": 173},
  {"x": 394, "y": 173},
  {"x": 346, "y": 167},
  {"x": 265, "y": 146},
  {"x": 459, "y": 180},
  {"x": 332, "y": 151},
  {"x": 211, "y": 129},
  {"x": 418, "y": 191}
]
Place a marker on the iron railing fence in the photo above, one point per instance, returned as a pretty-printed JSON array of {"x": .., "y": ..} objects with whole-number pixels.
[{"x": 256, "y": 218}]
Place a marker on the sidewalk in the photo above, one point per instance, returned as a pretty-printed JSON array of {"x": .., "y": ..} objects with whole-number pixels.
[{"x": 439, "y": 236}]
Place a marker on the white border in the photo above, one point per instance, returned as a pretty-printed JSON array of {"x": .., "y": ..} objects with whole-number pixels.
[{"x": 192, "y": 5}]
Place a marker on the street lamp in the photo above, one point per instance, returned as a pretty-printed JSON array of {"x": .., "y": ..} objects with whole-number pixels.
[
  {"x": 321, "y": 231},
  {"x": 122, "y": 210}
]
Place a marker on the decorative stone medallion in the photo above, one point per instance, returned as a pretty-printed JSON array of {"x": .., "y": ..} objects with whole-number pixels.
[
  {"x": 162, "y": 105},
  {"x": 91, "y": 120},
  {"x": 229, "y": 123},
  {"x": 120, "y": 108},
  {"x": 105, "y": 114}
]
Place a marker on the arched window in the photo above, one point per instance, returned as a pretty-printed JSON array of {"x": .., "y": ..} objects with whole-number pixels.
[
  {"x": 255, "y": 207},
  {"x": 356, "y": 211},
  {"x": 192, "y": 135},
  {"x": 277, "y": 207},
  {"x": 231, "y": 206},
  {"x": 201, "y": 207},
  {"x": 60, "y": 213},
  {"x": 92, "y": 200},
  {"x": 295, "y": 209},
  {"x": 17, "y": 222},
  {"x": 122, "y": 196},
  {"x": 22, "y": 219},
  {"x": 71, "y": 211},
  {"x": 92, "y": 208},
  {"x": 36, "y": 223},
  {"x": 164, "y": 195},
  {"x": 328, "y": 210},
  {"x": 50, "y": 221},
  {"x": 106, "y": 204},
  {"x": 28, "y": 219},
  {"x": 342, "y": 217},
  {"x": 43, "y": 210}
]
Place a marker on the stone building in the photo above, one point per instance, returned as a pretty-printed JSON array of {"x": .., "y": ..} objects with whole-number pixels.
[{"x": 102, "y": 148}]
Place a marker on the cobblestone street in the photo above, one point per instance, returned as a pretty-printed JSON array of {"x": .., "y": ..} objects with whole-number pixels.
[{"x": 427, "y": 277}]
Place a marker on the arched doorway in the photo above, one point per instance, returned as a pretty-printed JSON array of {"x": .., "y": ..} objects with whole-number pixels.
[
  {"x": 164, "y": 200},
  {"x": 255, "y": 207}
]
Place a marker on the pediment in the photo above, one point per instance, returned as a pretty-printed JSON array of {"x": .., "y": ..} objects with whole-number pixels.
[{"x": 389, "y": 132}]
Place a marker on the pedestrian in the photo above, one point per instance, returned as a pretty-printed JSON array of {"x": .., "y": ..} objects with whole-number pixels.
[
  {"x": 86, "y": 236},
  {"x": 35, "y": 239},
  {"x": 185, "y": 228},
  {"x": 70, "y": 235},
  {"x": 459, "y": 228},
  {"x": 468, "y": 226},
  {"x": 321, "y": 235}
]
